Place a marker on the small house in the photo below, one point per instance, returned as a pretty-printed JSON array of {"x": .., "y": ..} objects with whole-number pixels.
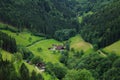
[
  {"x": 60, "y": 47},
  {"x": 57, "y": 47}
]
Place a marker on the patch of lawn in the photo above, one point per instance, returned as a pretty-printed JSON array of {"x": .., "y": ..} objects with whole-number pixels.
[
  {"x": 6, "y": 55},
  {"x": 114, "y": 48},
  {"x": 79, "y": 44}
]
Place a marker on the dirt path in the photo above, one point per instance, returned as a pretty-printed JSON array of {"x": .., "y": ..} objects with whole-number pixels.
[
  {"x": 102, "y": 53},
  {"x": 39, "y": 70}
]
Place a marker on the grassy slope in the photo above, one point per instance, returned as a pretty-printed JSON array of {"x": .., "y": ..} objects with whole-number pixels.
[
  {"x": 23, "y": 37},
  {"x": 114, "y": 48},
  {"x": 45, "y": 54},
  {"x": 6, "y": 55},
  {"x": 79, "y": 44},
  {"x": 48, "y": 56}
]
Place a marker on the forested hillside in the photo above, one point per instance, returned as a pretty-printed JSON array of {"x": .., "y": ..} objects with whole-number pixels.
[
  {"x": 84, "y": 6},
  {"x": 39, "y": 16},
  {"x": 102, "y": 28},
  {"x": 59, "y": 39},
  {"x": 46, "y": 16}
]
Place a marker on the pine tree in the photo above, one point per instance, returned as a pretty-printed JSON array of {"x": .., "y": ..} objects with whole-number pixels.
[{"x": 24, "y": 72}]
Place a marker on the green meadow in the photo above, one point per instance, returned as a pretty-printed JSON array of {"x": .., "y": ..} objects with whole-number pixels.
[
  {"x": 79, "y": 44},
  {"x": 46, "y": 54},
  {"x": 23, "y": 38},
  {"x": 113, "y": 48}
]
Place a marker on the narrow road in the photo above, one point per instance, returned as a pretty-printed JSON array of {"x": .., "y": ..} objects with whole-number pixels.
[{"x": 34, "y": 42}]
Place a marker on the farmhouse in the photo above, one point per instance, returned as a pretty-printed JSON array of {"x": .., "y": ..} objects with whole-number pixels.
[
  {"x": 57, "y": 47},
  {"x": 60, "y": 47}
]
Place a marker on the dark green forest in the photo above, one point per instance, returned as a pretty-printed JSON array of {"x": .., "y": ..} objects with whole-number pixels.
[
  {"x": 67, "y": 39},
  {"x": 7, "y": 42},
  {"x": 104, "y": 25},
  {"x": 45, "y": 16}
]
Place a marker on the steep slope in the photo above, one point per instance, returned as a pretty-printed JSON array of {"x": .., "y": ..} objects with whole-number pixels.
[
  {"x": 104, "y": 25},
  {"x": 45, "y": 16},
  {"x": 79, "y": 44}
]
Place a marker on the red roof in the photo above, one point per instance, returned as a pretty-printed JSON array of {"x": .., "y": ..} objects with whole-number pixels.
[{"x": 60, "y": 47}]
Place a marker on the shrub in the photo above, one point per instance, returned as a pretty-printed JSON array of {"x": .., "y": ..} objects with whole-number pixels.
[
  {"x": 39, "y": 49},
  {"x": 36, "y": 60}
]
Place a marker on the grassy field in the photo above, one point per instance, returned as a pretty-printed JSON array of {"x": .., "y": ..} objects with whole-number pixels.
[
  {"x": 79, "y": 44},
  {"x": 114, "y": 48},
  {"x": 45, "y": 54},
  {"x": 23, "y": 38}
]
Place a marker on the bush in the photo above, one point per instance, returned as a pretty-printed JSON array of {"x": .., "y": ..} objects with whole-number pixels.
[
  {"x": 59, "y": 71},
  {"x": 26, "y": 53},
  {"x": 79, "y": 75},
  {"x": 56, "y": 70},
  {"x": 36, "y": 60},
  {"x": 72, "y": 50},
  {"x": 112, "y": 74},
  {"x": 79, "y": 54},
  {"x": 39, "y": 49},
  {"x": 116, "y": 63},
  {"x": 30, "y": 39}
]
